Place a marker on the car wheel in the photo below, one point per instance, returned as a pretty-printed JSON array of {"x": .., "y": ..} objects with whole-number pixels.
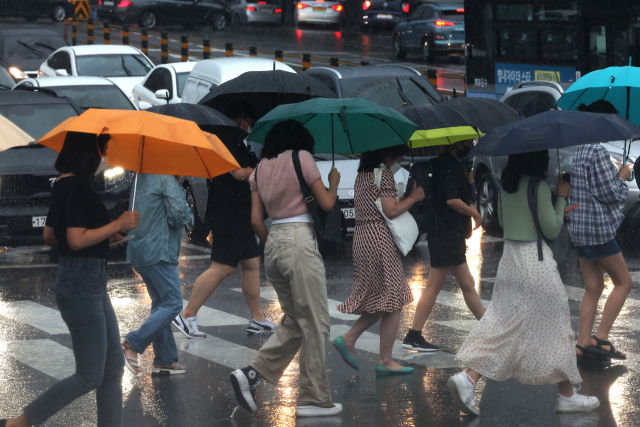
[
  {"x": 196, "y": 229},
  {"x": 428, "y": 54},
  {"x": 398, "y": 53},
  {"x": 30, "y": 18},
  {"x": 219, "y": 22},
  {"x": 58, "y": 13},
  {"x": 488, "y": 203},
  {"x": 148, "y": 19}
]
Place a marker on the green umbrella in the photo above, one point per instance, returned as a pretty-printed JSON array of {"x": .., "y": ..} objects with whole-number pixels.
[{"x": 345, "y": 126}]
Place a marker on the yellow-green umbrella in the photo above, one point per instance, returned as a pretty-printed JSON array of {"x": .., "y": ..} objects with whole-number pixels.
[{"x": 443, "y": 136}]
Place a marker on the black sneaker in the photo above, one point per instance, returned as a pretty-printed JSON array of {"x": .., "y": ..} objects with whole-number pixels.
[
  {"x": 418, "y": 343},
  {"x": 244, "y": 382}
]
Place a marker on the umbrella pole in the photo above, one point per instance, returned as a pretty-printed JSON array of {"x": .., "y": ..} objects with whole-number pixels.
[
  {"x": 135, "y": 184},
  {"x": 559, "y": 169},
  {"x": 333, "y": 150},
  {"x": 413, "y": 161}
]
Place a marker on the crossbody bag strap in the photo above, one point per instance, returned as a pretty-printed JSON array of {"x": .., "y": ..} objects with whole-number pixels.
[
  {"x": 532, "y": 198},
  {"x": 306, "y": 192}
]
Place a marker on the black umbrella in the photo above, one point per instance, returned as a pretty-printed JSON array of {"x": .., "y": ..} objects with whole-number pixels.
[
  {"x": 265, "y": 90},
  {"x": 212, "y": 121},
  {"x": 432, "y": 117},
  {"x": 483, "y": 113}
]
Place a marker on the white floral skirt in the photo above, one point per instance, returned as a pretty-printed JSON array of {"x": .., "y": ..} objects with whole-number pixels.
[{"x": 526, "y": 331}]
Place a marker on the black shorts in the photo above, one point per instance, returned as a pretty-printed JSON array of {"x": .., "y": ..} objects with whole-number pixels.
[
  {"x": 447, "y": 251},
  {"x": 232, "y": 244}
]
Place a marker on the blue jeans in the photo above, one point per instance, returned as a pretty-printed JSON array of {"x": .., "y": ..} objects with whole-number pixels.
[
  {"x": 163, "y": 285},
  {"x": 86, "y": 309}
]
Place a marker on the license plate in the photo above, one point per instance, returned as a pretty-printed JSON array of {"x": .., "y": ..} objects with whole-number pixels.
[
  {"x": 38, "y": 221},
  {"x": 319, "y": 9},
  {"x": 107, "y": 3},
  {"x": 349, "y": 213},
  {"x": 384, "y": 16}
]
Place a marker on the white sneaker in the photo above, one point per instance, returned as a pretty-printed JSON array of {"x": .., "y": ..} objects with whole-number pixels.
[
  {"x": 576, "y": 403},
  {"x": 188, "y": 326},
  {"x": 463, "y": 390},
  {"x": 316, "y": 411},
  {"x": 266, "y": 326}
]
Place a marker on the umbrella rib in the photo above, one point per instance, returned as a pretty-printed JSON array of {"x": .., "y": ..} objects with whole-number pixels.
[
  {"x": 378, "y": 118},
  {"x": 579, "y": 96},
  {"x": 203, "y": 163}
]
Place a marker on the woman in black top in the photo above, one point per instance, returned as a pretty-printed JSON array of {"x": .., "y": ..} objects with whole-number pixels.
[{"x": 80, "y": 226}]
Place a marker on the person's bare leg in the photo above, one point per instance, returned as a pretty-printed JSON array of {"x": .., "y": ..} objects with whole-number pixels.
[
  {"x": 250, "y": 284},
  {"x": 205, "y": 286},
  {"x": 565, "y": 388},
  {"x": 20, "y": 421},
  {"x": 388, "y": 332},
  {"x": 592, "y": 275},
  {"x": 428, "y": 297},
  {"x": 364, "y": 322},
  {"x": 468, "y": 288},
  {"x": 474, "y": 375}
]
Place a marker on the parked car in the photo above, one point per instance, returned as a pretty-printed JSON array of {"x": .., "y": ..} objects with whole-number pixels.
[
  {"x": 432, "y": 29},
  {"x": 382, "y": 14},
  {"x": 319, "y": 12},
  {"x": 256, "y": 12},
  {"x": 530, "y": 98},
  {"x": 150, "y": 13},
  {"x": 6, "y": 81},
  {"x": 85, "y": 92},
  {"x": 27, "y": 173},
  {"x": 22, "y": 51},
  {"x": 125, "y": 66},
  {"x": 57, "y": 10},
  {"x": 213, "y": 72},
  {"x": 164, "y": 84}
]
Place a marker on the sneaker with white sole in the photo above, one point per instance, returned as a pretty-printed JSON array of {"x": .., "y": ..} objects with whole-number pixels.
[
  {"x": 188, "y": 326},
  {"x": 317, "y": 411},
  {"x": 418, "y": 343},
  {"x": 244, "y": 382},
  {"x": 175, "y": 369},
  {"x": 576, "y": 403},
  {"x": 463, "y": 389},
  {"x": 264, "y": 327}
]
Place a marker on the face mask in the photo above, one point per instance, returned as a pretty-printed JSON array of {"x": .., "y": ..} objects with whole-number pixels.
[
  {"x": 104, "y": 164},
  {"x": 463, "y": 152}
]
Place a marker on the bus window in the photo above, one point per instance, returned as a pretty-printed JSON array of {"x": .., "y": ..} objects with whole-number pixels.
[
  {"x": 559, "y": 43},
  {"x": 517, "y": 42},
  {"x": 514, "y": 12},
  {"x": 598, "y": 47}
]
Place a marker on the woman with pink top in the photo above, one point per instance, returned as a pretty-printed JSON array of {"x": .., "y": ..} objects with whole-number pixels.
[{"x": 295, "y": 268}]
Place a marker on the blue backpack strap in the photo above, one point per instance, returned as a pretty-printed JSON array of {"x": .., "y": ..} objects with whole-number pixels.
[{"x": 532, "y": 198}]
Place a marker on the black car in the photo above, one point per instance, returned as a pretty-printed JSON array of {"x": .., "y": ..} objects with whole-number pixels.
[
  {"x": 58, "y": 10},
  {"x": 27, "y": 173},
  {"x": 149, "y": 13},
  {"x": 383, "y": 14},
  {"x": 22, "y": 51}
]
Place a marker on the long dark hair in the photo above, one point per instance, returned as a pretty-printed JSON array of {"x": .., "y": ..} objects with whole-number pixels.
[
  {"x": 532, "y": 164},
  {"x": 81, "y": 154},
  {"x": 600, "y": 106},
  {"x": 371, "y": 159},
  {"x": 287, "y": 135}
]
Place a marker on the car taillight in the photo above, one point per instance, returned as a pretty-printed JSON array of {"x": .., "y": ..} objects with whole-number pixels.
[
  {"x": 444, "y": 24},
  {"x": 251, "y": 8},
  {"x": 262, "y": 2},
  {"x": 460, "y": 10},
  {"x": 405, "y": 7},
  {"x": 440, "y": 37},
  {"x": 99, "y": 2},
  {"x": 125, "y": 3},
  {"x": 366, "y": 5},
  {"x": 277, "y": 11},
  {"x": 302, "y": 5},
  {"x": 336, "y": 7}
]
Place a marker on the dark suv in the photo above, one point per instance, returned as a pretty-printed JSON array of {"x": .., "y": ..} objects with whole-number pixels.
[{"x": 27, "y": 173}]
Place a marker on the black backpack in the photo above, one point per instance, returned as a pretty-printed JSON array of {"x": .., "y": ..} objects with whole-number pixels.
[{"x": 424, "y": 212}]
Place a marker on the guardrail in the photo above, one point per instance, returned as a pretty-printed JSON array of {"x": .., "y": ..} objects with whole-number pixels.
[{"x": 201, "y": 49}]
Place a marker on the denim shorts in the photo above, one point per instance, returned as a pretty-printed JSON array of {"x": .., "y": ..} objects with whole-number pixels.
[{"x": 594, "y": 252}]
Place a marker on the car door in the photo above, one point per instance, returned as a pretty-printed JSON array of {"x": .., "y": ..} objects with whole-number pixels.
[
  {"x": 146, "y": 92},
  {"x": 64, "y": 63},
  {"x": 49, "y": 67},
  {"x": 407, "y": 32},
  {"x": 419, "y": 26}
]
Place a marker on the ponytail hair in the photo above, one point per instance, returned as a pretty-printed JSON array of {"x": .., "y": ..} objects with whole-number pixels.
[{"x": 533, "y": 164}]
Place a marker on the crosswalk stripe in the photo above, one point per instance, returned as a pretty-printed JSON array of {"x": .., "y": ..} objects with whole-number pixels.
[
  {"x": 462, "y": 325},
  {"x": 34, "y": 314},
  {"x": 45, "y": 356},
  {"x": 208, "y": 316},
  {"x": 217, "y": 350}
]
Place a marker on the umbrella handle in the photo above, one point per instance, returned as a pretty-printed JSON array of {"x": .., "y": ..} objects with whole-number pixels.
[{"x": 624, "y": 164}]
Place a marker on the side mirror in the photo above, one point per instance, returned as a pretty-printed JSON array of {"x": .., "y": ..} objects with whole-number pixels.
[
  {"x": 144, "y": 105},
  {"x": 163, "y": 94},
  {"x": 62, "y": 73}
]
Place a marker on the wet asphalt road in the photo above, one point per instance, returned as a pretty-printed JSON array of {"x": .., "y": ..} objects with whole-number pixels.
[{"x": 35, "y": 352}]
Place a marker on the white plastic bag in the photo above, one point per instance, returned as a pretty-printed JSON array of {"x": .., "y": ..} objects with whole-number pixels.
[{"x": 403, "y": 227}]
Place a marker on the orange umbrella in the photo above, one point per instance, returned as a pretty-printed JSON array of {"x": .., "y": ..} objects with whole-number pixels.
[{"x": 145, "y": 142}]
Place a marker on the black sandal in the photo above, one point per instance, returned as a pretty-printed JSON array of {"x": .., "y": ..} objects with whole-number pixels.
[
  {"x": 589, "y": 356},
  {"x": 612, "y": 353}
]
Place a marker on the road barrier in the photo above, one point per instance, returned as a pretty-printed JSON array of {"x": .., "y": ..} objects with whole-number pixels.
[
  {"x": 445, "y": 82},
  {"x": 82, "y": 9}
]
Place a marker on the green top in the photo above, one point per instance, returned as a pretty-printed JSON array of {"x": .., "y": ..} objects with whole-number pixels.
[{"x": 516, "y": 218}]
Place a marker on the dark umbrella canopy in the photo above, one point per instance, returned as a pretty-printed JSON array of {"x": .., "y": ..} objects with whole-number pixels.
[
  {"x": 266, "y": 90},
  {"x": 554, "y": 129},
  {"x": 432, "y": 117},
  {"x": 482, "y": 113}
]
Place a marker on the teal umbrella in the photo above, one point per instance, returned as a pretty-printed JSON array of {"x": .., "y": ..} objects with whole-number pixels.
[{"x": 345, "y": 126}]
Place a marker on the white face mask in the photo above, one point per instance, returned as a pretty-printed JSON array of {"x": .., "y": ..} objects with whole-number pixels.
[{"x": 104, "y": 164}]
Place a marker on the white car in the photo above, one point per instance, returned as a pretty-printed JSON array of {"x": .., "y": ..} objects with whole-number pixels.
[
  {"x": 125, "y": 66},
  {"x": 85, "y": 92},
  {"x": 163, "y": 85},
  {"x": 318, "y": 12}
]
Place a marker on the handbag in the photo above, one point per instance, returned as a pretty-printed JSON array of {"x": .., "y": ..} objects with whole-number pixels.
[
  {"x": 404, "y": 227},
  {"x": 561, "y": 244},
  {"x": 328, "y": 225}
]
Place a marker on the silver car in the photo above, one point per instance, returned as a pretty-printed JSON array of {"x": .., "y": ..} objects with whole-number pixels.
[
  {"x": 256, "y": 12},
  {"x": 319, "y": 12}
]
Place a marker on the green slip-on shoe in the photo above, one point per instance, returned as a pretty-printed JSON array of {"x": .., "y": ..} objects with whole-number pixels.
[
  {"x": 383, "y": 370},
  {"x": 341, "y": 346}
]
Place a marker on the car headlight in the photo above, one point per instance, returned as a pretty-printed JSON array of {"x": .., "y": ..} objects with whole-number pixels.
[
  {"x": 114, "y": 177},
  {"x": 17, "y": 73}
]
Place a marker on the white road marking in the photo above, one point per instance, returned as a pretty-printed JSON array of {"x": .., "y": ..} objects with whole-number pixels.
[
  {"x": 46, "y": 356},
  {"x": 208, "y": 316},
  {"x": 34, "y": 314},
  {"x": 217, "y": 350}
]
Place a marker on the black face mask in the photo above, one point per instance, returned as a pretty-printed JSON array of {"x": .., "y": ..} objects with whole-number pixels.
[{"x": 461, "y": 154}]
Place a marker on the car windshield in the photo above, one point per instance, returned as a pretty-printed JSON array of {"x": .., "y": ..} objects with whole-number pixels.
[
  {"x": 37, "y": 120},
  {"x": 34, "y": 46},
  {"x": 6, "y": 81},
  {"x": 182, "y": 80},
  {"x": 101, "y": 96},
  {"x": 386, "y": 90},
  {"x": 452, "y": 15},
  {"x": 113, "y": 65}
]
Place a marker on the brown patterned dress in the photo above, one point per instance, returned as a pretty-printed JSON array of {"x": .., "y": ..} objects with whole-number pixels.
[{"x": 379, "y": 283}]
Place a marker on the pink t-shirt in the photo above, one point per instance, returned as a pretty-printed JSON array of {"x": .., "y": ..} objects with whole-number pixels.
[{"x": 278, "y": 184}]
